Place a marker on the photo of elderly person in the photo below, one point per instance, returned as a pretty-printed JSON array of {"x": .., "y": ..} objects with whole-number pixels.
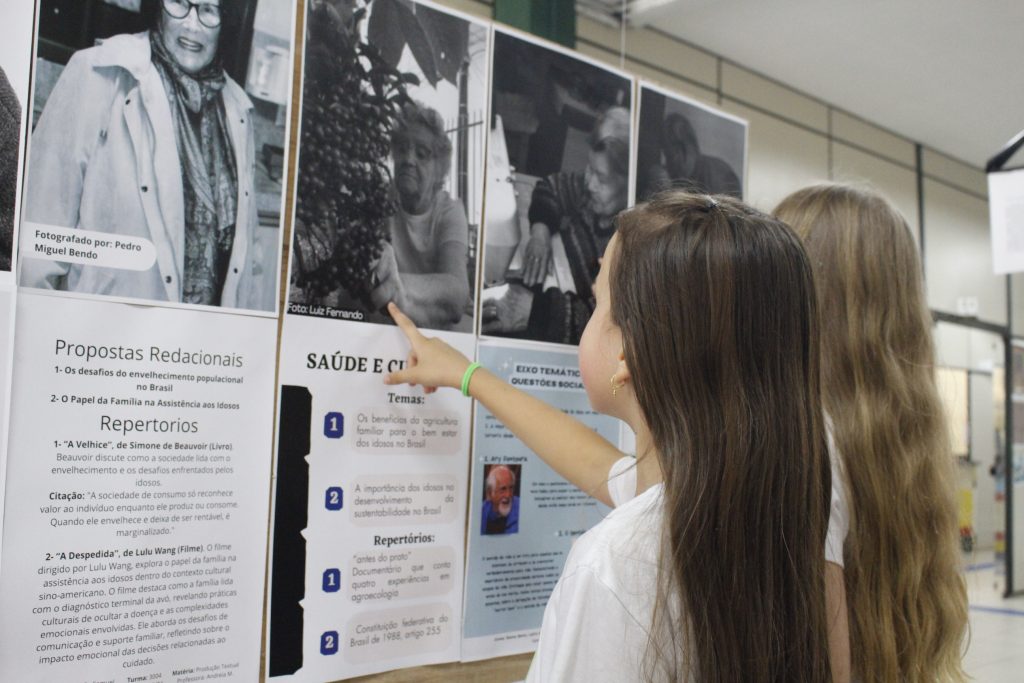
[
  {"x": 389, "y": 186},
  {"x": 424, "y": 265},
  {"x": 565, "y": 126},
  {"x": 686, "y": 145},
  {"x": 147, "y": 135},
  {"x": 500, "y": 513}
]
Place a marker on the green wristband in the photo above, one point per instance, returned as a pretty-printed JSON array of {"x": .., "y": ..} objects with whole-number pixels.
[{"x": 473, "y": 367}]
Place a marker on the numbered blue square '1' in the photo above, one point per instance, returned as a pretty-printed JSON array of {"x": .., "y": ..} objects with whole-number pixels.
[
  {"x": 334, "y": 425},
  {"x": 332, "y": 580},
  {"x": 329, "y": 643}
]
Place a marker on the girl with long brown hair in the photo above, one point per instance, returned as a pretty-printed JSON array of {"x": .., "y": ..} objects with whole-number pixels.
[
  {"x": 704, "y": 341},
  {"x": 902, "y": 570}
]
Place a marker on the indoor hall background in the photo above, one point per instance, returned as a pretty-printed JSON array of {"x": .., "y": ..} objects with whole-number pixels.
[{"x": 796, "y": 139}]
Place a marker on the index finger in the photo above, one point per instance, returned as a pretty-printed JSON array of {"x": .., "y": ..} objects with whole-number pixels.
[{"x": 404, "y": 323}]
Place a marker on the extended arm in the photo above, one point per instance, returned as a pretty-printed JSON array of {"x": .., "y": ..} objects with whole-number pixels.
[{"x": 567, "y": 445}]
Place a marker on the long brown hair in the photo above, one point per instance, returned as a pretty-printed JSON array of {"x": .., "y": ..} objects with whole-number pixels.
[
  {"x": 716, "y": 307},
  {"x": 905, "y": 591}
]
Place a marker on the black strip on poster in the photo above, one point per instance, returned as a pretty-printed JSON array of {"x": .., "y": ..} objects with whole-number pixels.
[{"x": 288, "y": 587}]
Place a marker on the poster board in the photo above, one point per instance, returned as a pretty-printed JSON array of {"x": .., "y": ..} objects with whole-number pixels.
[
  {"x": 147, "y": 342},
  {"x": 369, "y": 501},
  {"x": 561, "y": 164}
]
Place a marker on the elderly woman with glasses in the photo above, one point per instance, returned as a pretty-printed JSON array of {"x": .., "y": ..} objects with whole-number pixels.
[{"x": 146, "y": 136}]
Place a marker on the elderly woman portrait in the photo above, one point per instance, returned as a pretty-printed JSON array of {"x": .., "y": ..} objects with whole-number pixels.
[
  {"x": 580, "y": 207},
  {"x": 424, "y": 267},
  {"x": 145, "y": 135}
]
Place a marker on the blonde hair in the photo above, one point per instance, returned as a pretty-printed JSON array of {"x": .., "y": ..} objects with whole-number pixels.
[{"x": 905, "y": 588}]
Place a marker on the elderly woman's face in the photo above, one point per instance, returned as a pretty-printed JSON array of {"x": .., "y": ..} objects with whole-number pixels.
[
  {"x": 191, "y": 41},
  {"x": 417, "y": 169},
  {"x": 607, "y": 189}
]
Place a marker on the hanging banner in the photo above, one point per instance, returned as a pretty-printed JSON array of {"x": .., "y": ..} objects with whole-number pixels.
[
  {"x": 140, "y": 442},
  {"x": 369, "y": 502},
  {"x": 15, "y": 63},
  {"x": 1006, "y": 216},
  {"x": 559, "y": 170},
  {"x": 682, "y": 143},
  {"x": 523, "y": 517}
]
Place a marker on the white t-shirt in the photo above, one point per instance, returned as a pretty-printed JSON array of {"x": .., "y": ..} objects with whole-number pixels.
[
  {"x": 596, "y": 624},
  {"x": 418, "y": 239},
  {"x": 839, "y": 511},
  {"x": 597, "y": 620}
]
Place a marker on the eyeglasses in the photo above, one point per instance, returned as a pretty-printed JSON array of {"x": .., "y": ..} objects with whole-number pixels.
[{"x": 208, "y": 13}]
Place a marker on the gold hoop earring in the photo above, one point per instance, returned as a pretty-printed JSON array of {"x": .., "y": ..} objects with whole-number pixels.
[{"x": 615, "y": 387}]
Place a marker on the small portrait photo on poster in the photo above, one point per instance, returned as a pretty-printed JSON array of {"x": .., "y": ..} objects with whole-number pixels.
[
  {"x": 499, "y": 514},
  {"x": 157, "y": 150},
  {"x": 683, "y": 144},
  {"x": 390, "y": 164},
  {"x": 558, "y": 173}
]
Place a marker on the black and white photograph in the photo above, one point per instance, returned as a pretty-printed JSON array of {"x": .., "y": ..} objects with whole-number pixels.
[
  {"x": 390, "y": 164},
  {"x": 161, "y": 122},
  {"x": 558, "y": 173},
  {"x": 15, "y": 63},
  {"x": 684, "y": 144}
]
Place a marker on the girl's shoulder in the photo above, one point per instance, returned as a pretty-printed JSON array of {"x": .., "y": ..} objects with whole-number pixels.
[{"x": 626, "y": 542}]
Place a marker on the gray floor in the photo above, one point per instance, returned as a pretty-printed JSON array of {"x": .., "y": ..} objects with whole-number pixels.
[{"x": 996, "y": 649}]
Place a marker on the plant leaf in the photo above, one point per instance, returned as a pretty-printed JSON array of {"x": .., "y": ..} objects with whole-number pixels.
[
  {"x": 420, "y": 41},
  {"x": 450, "y": 36},
  {"x": 384, "y": 31}
]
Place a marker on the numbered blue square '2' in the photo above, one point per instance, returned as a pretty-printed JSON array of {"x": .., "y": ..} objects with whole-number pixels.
[
  {"x": 334, "y": 425},
  {"x": 334, "y": 498},
  {"x": 329, "y": 643}
]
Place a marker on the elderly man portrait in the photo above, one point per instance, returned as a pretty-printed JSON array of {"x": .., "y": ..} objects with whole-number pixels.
[
  {"x": 580, "y": 206},
  {"x": 501, "y": 505},
  {"x": 423, "y": 268}
]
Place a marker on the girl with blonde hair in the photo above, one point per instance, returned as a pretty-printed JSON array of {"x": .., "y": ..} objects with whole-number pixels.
[{"x": 904, "y": 586}]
